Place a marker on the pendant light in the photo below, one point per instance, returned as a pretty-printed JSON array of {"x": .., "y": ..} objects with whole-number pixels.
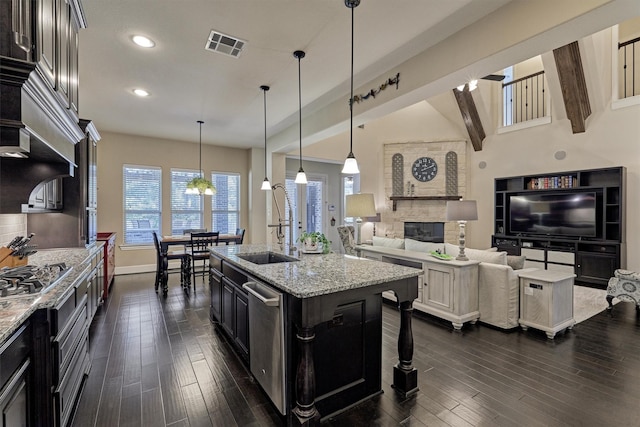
[
  {"x": 266, "y": 185},
  {"x": 301, "y": 177},
  {"x": 350, "y": 164},
  {"x": 200, "y": 185}
]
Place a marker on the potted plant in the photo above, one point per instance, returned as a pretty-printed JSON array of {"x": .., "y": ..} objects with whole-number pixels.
[{"x": 315, "y": 242}]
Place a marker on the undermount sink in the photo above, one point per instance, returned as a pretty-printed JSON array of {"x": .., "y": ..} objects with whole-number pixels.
[{"x": 266, "y": 258}]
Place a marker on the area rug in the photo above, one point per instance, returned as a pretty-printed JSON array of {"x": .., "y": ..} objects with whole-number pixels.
[{"x": 588, "y": 302}]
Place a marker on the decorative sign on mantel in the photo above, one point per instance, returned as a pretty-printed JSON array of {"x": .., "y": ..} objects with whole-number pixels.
[{"x": 373, "y": 92}]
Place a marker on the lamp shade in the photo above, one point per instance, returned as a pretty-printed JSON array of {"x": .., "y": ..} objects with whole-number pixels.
[
  {"x": 360, "y": 205},
  {"x": 462, "y": 210}
]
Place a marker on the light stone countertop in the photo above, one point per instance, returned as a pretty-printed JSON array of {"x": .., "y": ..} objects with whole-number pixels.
[
  {"x": 315, "y": 274},
  {"x": 14, "y": 311}
]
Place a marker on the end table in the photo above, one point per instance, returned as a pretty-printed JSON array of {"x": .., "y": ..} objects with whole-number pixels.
[{"x": 546, "y": 301}]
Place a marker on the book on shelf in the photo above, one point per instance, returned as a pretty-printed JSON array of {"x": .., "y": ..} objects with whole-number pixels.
[{"x": 551, "y": 182}]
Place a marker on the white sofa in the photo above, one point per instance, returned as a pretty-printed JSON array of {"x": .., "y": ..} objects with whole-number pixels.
[{"x": 498, "y": 278}]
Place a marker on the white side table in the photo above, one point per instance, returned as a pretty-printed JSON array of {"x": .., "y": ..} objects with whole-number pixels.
[{"x": 546, "y": 301}]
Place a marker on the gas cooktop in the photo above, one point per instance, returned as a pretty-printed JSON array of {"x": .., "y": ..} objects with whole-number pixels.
[{"x": 29, "y": 279}]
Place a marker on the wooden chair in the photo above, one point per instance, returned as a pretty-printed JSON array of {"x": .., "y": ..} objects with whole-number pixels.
[
  {"x": 199, "y": 251},
  {"x": 193, "y": 230},
  {"x": 162, "y": 264},
  {"x": 240, "y": 234}
]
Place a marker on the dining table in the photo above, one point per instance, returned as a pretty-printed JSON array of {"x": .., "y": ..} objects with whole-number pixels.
[{"x": 185, "y": 271}]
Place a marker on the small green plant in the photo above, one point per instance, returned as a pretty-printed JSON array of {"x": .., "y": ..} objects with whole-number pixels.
[{"x": 315, "y": 238}]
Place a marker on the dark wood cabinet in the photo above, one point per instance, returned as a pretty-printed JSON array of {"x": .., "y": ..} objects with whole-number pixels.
[
  {"x": 46, "y": 52},
  {"x": 109, "y": 239},
  {"x": 241, "y": 320},
  {"x": 15, "y": 370},
  {"x": 593, "y": 258},
  {"x": 16, "y": 16},
  {"x": 229, "y": 303}
]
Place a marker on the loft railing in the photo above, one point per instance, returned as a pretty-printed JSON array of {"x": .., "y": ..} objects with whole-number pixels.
[
  {"x": 524, "y": 99},
  {"x": 630, "y": 71}
]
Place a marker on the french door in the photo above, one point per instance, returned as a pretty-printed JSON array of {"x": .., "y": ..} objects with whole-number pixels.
[{"x": 308, "y": 204}]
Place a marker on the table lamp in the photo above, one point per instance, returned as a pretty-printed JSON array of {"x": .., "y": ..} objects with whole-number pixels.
[
  {"x": 359, "y": 206},
  {"x": 374, "y": 219},
  {"x": 462, "y": 211}
]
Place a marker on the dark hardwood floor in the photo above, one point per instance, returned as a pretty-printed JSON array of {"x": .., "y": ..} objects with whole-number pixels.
[{"x": 158, "y": 361}]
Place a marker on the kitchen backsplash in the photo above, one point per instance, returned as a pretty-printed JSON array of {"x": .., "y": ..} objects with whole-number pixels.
[{"x": 12, "y": 225}]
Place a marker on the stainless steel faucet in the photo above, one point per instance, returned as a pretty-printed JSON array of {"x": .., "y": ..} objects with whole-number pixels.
[{"x": 281, "y": 221}]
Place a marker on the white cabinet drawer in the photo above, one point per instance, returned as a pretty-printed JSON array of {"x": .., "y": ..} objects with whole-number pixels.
[
  {"x": 561, "y": 257},
  {"x": 560, "y": 267},
  {"x": 533, "y": 254},
  {"x": 534, "y": 264}
]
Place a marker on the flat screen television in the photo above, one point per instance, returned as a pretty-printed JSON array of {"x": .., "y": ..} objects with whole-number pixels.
[{"x": 572, "y": 215}]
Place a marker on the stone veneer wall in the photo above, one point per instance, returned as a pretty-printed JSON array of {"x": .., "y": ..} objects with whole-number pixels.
[
  {"x": 12, "y": 225},
  {"x": 422, "y": 210}
]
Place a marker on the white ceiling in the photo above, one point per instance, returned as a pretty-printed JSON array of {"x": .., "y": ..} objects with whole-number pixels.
[{"x": 188, "y": 83}]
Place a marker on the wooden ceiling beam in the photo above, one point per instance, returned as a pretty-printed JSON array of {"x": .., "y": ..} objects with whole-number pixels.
[
  {"x": 573, "y": 85},
  {"x": 470, "y": 117}
]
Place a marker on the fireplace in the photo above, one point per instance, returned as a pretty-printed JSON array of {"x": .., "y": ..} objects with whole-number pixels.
[{"x": 424, "y": 231}]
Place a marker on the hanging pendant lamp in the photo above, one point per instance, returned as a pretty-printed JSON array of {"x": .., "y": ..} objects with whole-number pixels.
[
  {"x": 350, "y": 164},
  {"x": 266, "y": 185},
  {"x": 200, "y": 185},
  {"x": 301, "y": 177}
]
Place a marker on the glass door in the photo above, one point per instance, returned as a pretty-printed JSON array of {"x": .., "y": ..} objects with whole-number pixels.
[{"x": 308, "y": 203}]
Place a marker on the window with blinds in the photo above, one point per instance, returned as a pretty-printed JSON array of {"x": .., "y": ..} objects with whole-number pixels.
[
  {"x": 142, "y": 203},
  {"x": 186, "y": 209},
  {"x": 225, "y": 204}
]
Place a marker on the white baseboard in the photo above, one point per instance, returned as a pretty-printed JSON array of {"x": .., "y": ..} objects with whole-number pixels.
[{"x": 144, "y": 268}]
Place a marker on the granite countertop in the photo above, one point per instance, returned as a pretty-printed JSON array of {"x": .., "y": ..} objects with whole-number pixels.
[
  {"x": 315, "y": 274},
  {"x": 14, "y": 311}
]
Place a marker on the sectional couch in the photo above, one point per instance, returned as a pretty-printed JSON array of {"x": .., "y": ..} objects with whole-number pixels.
[{"x": 498, "y": 277}]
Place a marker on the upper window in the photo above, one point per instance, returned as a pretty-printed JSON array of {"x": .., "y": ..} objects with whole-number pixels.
[
  {"x": 142, "y": 203},
  {"x": 225, "y": 204},
  {"x": 186, "y": 209}
]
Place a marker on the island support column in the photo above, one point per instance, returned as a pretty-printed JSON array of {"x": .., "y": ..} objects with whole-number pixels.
[
  {"x": 305, "y": 412},
  {"x": 405, "y": 376}
]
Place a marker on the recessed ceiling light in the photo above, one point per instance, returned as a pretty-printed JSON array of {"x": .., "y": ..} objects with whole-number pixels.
[
  {"x": 141, "y": 92},
  {"x": 143, "y": 41}
]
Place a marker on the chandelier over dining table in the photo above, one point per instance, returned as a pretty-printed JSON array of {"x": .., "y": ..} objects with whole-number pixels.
[{"x": 200, "y": 185}]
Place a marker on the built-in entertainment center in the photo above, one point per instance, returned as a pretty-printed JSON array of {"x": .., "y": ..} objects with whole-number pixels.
[{"x": 570, "y": 221}]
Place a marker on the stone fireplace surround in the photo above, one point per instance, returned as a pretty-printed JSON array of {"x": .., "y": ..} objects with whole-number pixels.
[{"x": 392, "y": 224}]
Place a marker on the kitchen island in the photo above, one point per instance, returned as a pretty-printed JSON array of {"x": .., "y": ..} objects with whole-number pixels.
[{"x": 326, "y": 331}]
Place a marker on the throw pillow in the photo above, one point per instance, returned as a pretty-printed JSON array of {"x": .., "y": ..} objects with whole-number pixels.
[
  {"x": 388, "y": 242},
  {"x": 415, "y": 245},
  {"x": 516, "y": 261},
  {"x": 478, "y": 254}
]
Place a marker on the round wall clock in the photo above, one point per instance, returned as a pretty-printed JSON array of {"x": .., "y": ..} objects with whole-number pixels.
[{"x": 424, "y": 169}]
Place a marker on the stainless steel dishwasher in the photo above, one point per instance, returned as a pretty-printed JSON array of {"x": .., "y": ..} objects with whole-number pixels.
[{"x": 266, "y": 340}]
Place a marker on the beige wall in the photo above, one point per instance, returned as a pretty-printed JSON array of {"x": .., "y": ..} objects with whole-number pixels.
[{"x": 116, "y": 150}]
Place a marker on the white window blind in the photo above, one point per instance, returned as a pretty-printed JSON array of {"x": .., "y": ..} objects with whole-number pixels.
[
  {"x": 142, "y": 202},
  {"x": 186, "y": 209},
  {"x": 225, "y": 204}
]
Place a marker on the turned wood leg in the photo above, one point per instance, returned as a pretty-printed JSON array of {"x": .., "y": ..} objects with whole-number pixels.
[
  {"x": 165, "y": 274},
  {"x": 610, "y": 301},
  {"x": 405, "y": 376},
  {"x": 305, "y": 412}
]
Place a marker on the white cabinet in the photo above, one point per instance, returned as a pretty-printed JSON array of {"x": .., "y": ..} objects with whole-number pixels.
[
  {"x": 446, "y": 289},
  {"x": 546, "y": 301}
]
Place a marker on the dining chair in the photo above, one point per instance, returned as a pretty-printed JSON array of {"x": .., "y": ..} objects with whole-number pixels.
[
  {"x": 199, "y": 251},
  {"x": 162, "y": 271},
  {"x": 193, "y": 230},
  {"x": 240, "y": 234}
]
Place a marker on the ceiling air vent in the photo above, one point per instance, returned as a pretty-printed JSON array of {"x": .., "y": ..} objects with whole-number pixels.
[{"x": 223, "y": 43}]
